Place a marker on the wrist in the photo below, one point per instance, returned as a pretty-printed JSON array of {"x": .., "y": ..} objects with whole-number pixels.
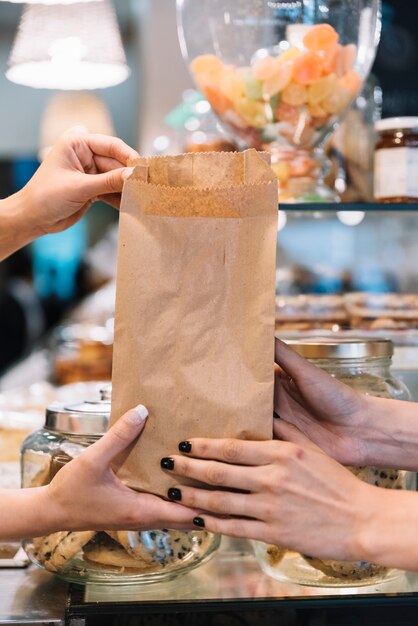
[
  {"x": 390, "y": 434},
  {"x": 17, "y": 224},
  {"x": 387, "y": 533}
]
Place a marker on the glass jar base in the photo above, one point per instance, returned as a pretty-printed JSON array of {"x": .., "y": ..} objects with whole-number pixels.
[{"x": 294, "y": 569}]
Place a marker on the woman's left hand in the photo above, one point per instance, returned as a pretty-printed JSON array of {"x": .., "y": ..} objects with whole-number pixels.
[{"x": 286, "y": 492}]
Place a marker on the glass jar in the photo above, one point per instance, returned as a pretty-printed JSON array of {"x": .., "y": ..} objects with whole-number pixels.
[
  {"x": 112, "y": 557},
  {"x": 396, "y": 160},
  {"x": 363, "y": 365},
  {"x": 82, "y": 352}
]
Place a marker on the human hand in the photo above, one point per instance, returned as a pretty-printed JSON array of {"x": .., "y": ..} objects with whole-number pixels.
[
  {"x": 290, "y": 493},
  {"x": 80, "y": 169},
  {"x": 85, "y": 494},
  {"x": 330, "y": 413}
]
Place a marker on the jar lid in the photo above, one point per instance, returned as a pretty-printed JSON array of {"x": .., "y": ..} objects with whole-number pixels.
[
  {"x": 393, "y": 123},
  {"x": 84, "y": 418},
  {"x": 342, "y": 348}
]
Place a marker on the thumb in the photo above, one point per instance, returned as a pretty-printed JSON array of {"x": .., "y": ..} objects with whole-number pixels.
[
  {"x": 109, "y": 182},
  {"x": 118, "y": 438},
  {"x": 288, "y": 432}
]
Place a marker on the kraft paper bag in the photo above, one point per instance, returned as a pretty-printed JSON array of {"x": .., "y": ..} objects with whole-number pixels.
[{"x": 195, "y": 300}]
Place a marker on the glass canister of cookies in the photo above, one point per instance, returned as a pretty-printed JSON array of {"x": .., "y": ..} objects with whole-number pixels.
[
  {"x": 82, "y": 352},
  {"x": 364, "y": 365},
  {"x": 113, "y": 557}
]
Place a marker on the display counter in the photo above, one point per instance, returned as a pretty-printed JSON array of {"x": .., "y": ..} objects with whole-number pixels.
[{"x": 229, "y": 590}]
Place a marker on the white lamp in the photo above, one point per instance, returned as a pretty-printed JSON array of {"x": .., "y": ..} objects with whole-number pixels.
[
  {"x": 67, "y": 110},
  {"x": 48, "y": 1},
  {"x": 71, "y": 47}
]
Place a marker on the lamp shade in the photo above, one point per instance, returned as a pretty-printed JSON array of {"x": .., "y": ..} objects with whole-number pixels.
[
  {"x": 75, "y": 46},
  {"x": 67, "y": 110},
  {"x": 48, "y": 1}
]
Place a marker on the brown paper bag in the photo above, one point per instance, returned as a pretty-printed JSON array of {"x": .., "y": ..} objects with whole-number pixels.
[{"x": 194, "y": 323}]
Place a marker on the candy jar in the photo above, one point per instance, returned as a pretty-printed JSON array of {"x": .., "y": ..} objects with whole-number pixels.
[{"x": 280, "y": 75}]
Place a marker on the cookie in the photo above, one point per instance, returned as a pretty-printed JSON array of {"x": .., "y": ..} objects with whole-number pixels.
[
  {"x": 384, "y": 477},
  {"x": 133, "y": 543},
  {"x": 274, "y": 555},
  {"x": 44, "y": 547},
  {"x": 348, "y": 570},
  {"x": 165, "y": 547},
  {"x": 108, "y": 554},
  {"x": 55, "y": 550}
]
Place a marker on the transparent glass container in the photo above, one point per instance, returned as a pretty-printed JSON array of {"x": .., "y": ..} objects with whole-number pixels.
[
  {"x": 82, "y": 352},
  {"x": 113, "y": 557},
  {"x": 363, "y": 365},
  {"x": 281, "y": 75}
]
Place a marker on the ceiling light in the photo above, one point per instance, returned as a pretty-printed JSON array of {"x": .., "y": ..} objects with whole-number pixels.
[{"x": 71, "y": 47}]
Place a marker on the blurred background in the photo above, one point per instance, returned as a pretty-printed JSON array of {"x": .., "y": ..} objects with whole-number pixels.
[{"x": 157, "y": 110}]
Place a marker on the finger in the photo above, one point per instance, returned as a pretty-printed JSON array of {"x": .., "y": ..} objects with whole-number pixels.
[
  {"x": 107, "y": 183},
  {"x": 217, "y": 474},
  {"x": 123, "y": 433},
  {"x": 107, "y": 146},
  {"x": 250, "y": 529},
  {"x": 293, "y": 364},
  {"x": 287, "y": 432},
  {"x": 113, "y": 199},
  {"x": 234, "y": 451},
  {"x": 106, "y": 164},
  {"x": 168, "y": 514},
  {"x": 220, "y": 502}
]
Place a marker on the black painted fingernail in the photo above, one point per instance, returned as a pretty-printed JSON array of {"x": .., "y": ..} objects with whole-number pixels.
[
  {"x": 199, "y": 521},
  {"x": 167, "y": 463},
  {"x": 185, "y": 446},
  {"x": 174, "y": 494},
  {"x": 276, "y": 415}
]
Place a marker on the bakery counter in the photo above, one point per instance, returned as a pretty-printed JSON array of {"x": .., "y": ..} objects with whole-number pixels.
[
  {"x": 229, "y": 590},
  {"x": 31, "y": 596}
]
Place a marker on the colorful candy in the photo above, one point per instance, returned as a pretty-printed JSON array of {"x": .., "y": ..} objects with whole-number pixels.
[
  {"x": 320, "y": 37},
  {"x": 289, "y": 98}
]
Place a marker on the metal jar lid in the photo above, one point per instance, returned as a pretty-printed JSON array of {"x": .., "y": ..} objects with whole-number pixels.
[
  {"x": 83, "y": 418},
  {"x": 342, "y": 348}
]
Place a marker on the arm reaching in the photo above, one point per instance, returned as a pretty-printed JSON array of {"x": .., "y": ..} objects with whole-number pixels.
[
  {"x": 289, "y": 493},
  {"x": 86, "y": 495},
  {"x": 80, "y": 169},
  {"x": 354, "y": 429}
]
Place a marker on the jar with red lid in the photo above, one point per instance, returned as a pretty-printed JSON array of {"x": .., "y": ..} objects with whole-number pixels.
[{"x": 396, "y": 160}]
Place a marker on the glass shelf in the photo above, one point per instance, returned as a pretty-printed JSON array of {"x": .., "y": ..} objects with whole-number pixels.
[
  {"x": 366, "y": 207},
  {"x": 233, "y": 584}
]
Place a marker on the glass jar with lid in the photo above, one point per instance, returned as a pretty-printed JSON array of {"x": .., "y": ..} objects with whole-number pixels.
[
  {"x": 113, "y": 557},
  {"x": 364, "y": 365},
  {"x": 396, "y": 160},
  {"x": 82, "y": 352}
]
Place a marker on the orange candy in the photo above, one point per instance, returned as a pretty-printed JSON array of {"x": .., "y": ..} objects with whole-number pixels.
[
  {"x": 287, "y": 113},
  {"x": 264, "y": 68},
  {"x": 330, "y": 58},
  {"x": 337, "y": 100},
  {"x": 320, "y": 89},
  {"x": 320, "y": 37},
  {"x": 231, "y": 84},
  {"x": 351, "y": 82},
  {"x": 216, "y": 99},
  {"x": 207, "y": 64},
  {"x": 278, "y": 81},
  {"x": 295, "y": 94},
  {"x": 307, "y": 68}
]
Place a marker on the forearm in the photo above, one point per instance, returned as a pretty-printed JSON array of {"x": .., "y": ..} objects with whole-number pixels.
[
  {"x": 16, "y": 229},
  {"x": 388, "y": 536},
  {"x": 27, "y": 513},
  {"x": 390, "y": 434}
]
